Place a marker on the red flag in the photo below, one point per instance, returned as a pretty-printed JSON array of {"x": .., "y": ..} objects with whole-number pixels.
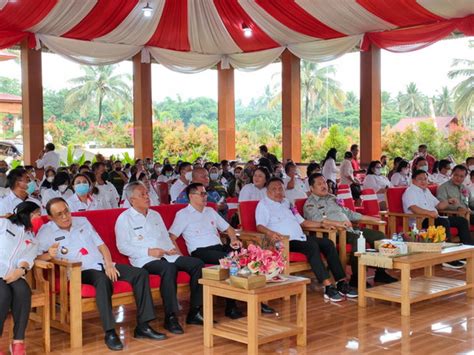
[{"x": 83, "y": 251}]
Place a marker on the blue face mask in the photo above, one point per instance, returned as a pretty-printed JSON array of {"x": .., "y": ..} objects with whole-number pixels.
[
  {"x": 31, "y": 187},
  {"x": 81, "y": 189},
  {"x": 424, "y": 167}
]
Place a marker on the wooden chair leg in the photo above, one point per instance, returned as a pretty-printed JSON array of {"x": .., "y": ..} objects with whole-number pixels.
[{"x": 46, "y": 325}]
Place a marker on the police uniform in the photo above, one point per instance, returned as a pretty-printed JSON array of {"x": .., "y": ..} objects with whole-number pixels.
[
  {"x": 136, "y": 234},
  {"x": 81, "y": 243},
  {"x": 16, "y": 246}
]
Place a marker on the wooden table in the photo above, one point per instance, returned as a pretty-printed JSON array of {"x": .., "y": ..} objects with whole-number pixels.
[
  {"x": 411, "y": 290},
  {"x": 254, "y": 330}
]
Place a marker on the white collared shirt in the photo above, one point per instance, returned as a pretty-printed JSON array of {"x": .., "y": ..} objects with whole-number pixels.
[
  {"x": 376, "y": 182},
  {"x": 439, "y": 178},
  {"x": 252, "y": 193},
  {"x": 108, "y": 193},
  {"x": 398, "y": 179},
  {"x": 92, "y": 203},
  {"x": 176, "y": 189},
  {"x": 199, "y": 229},
  {"x": 346, "y": 172},
  {"x": 297, "y": 192},
  {"x": 49, "y": 159},
  {"x": 16, "y": 246},
  {"x": 136, "y": 234},
  {"x": 48, "y": 194},
  {"x": 416, "y": 196},
  {"x": 80, "y": 243},
  {"x": 280, "y": 217},
  {"x": 10, "y": 201},
  {"x": 330, "y": 170}
]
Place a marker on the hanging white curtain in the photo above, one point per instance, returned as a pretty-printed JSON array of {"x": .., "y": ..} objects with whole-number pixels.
[
  {"x": 89, "y": 53},
  {"x": 323, "y": 51},
  {"x": 253, "y": 60},
  {"x": 184, "y": 62}
]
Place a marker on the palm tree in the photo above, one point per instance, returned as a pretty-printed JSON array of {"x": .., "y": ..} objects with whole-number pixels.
[
  {"x": 413, "y": 103},
  {"x": 443, "y": 102},
  {"x": 463, "y": 92},
  {"x": 97, "y": 85},
  {"x": 319, "y": 90}
]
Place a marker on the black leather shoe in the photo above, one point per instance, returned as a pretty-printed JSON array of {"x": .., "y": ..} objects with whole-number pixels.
[
  {"x": 172, "y": 325},
  {"x": 233, "y": 313},
  {"x": 383, "y": 277},
  {"x": 266, "y": 309},
  {"x": 112, "y": 341},
  {"x": 195, "y": 318},
  {"x": 148, "y": 332}
]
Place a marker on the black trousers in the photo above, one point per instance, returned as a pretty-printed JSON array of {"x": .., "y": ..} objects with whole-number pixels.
[
  {"x": 16, "y": 297},
  {"x": 370, "y": 235},
  {"x": 312, "y": 248},
  {"x": 460, "y": 223},
  {"x": 137, "y": 277},
  {"x": 169, "y": 272},
  {"x": 211, "y": 255}
]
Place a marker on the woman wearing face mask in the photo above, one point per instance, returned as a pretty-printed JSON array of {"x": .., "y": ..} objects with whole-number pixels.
[
  {"x": 421, "y": 163},
  {"x": 18, "y": 251},
  {"x": 215, "y": 182},
  {"x": 166, "y": 174},
  {"x": 444, "y": 172},
  {"x": 59, "y": 188},
  {"x": 49, "y": 175},
  {"x": 257, "y": 190},
  {"x": 154, "y": 198},
  {"x": 238, "y": 183},
  {"x": 86, "y": 196},
  {"x": 21, "y": 188},
  {"x": 401, "y": 176},
  {"x": 156, "y": 171},
  {"x": 376, "y": 181}
]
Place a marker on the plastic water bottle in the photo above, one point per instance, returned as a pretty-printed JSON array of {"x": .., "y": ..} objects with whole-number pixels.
[
  {"x": 234, "y": 269},
  {"x": 361, "y": 243}
]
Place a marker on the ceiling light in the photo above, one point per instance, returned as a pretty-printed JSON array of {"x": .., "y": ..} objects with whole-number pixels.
[
  {"x": 147, "y": 10},
  {"x": 247, "y": 31}
]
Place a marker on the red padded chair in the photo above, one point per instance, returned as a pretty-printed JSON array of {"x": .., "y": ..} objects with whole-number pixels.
[
  {"x": 163, "y": 189},
  {"x": 233, "y": 205},
  {"x": 370, "y": 203}
]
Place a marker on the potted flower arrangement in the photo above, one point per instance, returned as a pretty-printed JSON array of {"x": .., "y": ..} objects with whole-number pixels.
[
  {"x": 429, "y": 240},
  {"x": 255, "y": 261}
]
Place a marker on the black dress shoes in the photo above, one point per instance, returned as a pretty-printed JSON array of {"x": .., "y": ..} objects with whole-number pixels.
[
  {"x": 148, "y": 332},
  {"x": 112, "y": 341},
  {"x": 266, "y": 309},
  {"x": 172, "y": 325},
  {"x": 233, "y": 313},
  {"x": 195, "y": 318}
]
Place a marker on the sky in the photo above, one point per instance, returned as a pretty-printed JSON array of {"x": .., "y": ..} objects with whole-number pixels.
[{"x": 427, "y": 67}]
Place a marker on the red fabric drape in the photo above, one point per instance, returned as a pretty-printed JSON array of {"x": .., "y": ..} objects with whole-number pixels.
[
  {"x": 21, "y": 15},
  {"x": 401, "y": 13},
  {"x": 172, "y": 31},
  {"x": 411, "y": 39},
  {"x": 10, "y": 38},
  {"x": 233, "y": 16},
  {"x": 296, "y": 18},
  {"x": 105, "y": 16}
]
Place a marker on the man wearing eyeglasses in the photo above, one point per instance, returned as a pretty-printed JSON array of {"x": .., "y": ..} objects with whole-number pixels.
[
  {"x": 74, "y": 238},
  {"x": 200, "y": 225},
  {"x": 418, "y": 199}
]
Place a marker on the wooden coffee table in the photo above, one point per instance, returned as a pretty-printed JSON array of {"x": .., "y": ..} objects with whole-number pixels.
[
  {"x": 411, "y": 290},
  {"x": 254, "y": 330}
]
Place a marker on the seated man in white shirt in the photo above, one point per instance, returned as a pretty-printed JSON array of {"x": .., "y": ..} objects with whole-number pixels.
[
  {"x": 275, "y": 218},
  {"x": 21, "y": 188},
  {"x": 48, "y": 157},
  {"x": 142, "y": 236},
  {"x": 443, "y": 174},
  {"x": 200, "y": 225},
  {"x": 418, "y": 199},
  {"x": 185, "y": 171},
  {"x": 294, "y": 185},
  {"x": 76, "y": 239}
]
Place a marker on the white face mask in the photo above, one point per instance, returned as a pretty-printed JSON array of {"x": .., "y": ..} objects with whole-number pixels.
[
  {"x": 405, "y": 171},
  {"x": 62, "y": 188},
  {"x": 50, "y": 179},
  {"x": 189, "y": 176},
  {"x": 448, "y": 173},
  {"x": 377, "y": 171},
  {"x": 424, "y": 167},
  {"x": 213, "y": 176},
  {"x": 471, "y": 167}
]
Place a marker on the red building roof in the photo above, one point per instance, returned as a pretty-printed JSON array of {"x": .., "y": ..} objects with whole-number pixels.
[{"x": 441, "y": 123}]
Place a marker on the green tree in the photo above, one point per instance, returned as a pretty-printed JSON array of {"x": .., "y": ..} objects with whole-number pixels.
[
  {"x": 97, "y": 85},
  {"x": 335, "y": 139},
  {"x": 10, "y": 86},
  {"x": 464, "y": 90},
  {"x": 443, "y": 102},
  {"x": 413, "y": 103}
]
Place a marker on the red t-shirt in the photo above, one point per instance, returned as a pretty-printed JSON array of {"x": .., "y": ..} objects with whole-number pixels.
[{"x": 355, "y": 165}]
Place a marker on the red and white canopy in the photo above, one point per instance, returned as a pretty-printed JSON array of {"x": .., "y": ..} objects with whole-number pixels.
[{"x": 193, "y": 35}]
